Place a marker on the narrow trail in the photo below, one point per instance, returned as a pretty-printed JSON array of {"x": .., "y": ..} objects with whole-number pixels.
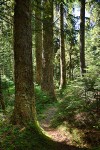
[
  {"x": 57, "y": 134},
  {"x": 63, "y": 135}
]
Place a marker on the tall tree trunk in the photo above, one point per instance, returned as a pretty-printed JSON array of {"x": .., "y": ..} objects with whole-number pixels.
[
  {"x": 70, "y": 65},
  {"x": 62, "y": 50},
  {"x": 82, "y": 37},
  {"x": 38, "y": 42},
  {"x": 48, "y": 54},
  {"x": 1, "y": 96},
  {"x": 24, "y": 108}
]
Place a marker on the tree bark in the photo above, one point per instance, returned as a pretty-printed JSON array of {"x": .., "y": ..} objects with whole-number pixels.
[
  {"x": 62, "y": 50},
  {"x": 82, "y": 37},
  {"x": 38, "y": 42},
  {"x": 48, "y": 53},
  {"x": 24, "y": 108}
]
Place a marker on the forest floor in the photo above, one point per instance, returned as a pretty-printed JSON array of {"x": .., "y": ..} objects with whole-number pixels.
[
  {"x": 57, "y": 134},
  {"x": 58, "y": 123},
  {"x": 65, "y": 136},
  {"x": 20, "y": 138},
  {"x": 83, "y": 138}
]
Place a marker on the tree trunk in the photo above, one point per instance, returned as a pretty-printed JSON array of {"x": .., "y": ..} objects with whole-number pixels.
[
  {"x": 48, "y": 54},
  {"x": 38, "y": 42},
  {"x": 24, "y": 108},
  {"x": 70, "y": 65},
  {"x": 62, "y": 50},
  {"x": 82, "y": 37}
]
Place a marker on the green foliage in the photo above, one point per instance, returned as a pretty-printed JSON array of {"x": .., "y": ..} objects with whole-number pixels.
[
  {"x": 71, "y": 103},
  {"x": 15, "y": 137},
  {"x": 77, "y": 107},
  {"x": 6, "y": 44},
  {"x": 42, "y": 99},
  {"x": 91, "y": 79},
  {"x": 6, "y": 83},
  {"x": 8, "y": 92}
]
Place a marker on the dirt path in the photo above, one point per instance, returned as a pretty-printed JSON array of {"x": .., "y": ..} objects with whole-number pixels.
[
  {"x": 57, "y": 134},
  {"x": 60, "y": 134}
]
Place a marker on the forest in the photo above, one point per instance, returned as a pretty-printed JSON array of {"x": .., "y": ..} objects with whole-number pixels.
[{"x": 49, "y": 75}]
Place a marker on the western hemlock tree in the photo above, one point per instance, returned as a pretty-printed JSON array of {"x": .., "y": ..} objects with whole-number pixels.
[
  {"x": 24, "y": 107},
  {"x": 48, "y": 54},
  {"x": 82, "y": 37},
  {"x": 38, "y": 42},
  {"x": 62, "y": 50}
]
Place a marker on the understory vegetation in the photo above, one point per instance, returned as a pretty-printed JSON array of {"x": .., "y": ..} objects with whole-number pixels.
[{"x": 76, "y": 114}]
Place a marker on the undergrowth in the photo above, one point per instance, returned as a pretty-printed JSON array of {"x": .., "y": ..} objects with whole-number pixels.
[
  {"x": 76, "y": 108},
  {"x": 78, "y": 113},
  {"x": 18, "y": 138},
  {"x": 42, "y": 100},
  {"x": 73, "y": 108}
]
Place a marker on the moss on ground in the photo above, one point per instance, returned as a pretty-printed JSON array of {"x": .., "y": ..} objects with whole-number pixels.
[{"x": 29, "y": 138}]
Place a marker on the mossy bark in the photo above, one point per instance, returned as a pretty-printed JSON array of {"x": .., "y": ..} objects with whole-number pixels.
[
  {"x": 24, "y": 107},
  {"x": 48, "y": 53},
  {"x": 82, "y": 37},
  {"x": 62, "y": 50},
  {"x": 47, "y": 142},
  {"x": 38, "y": 41}
]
